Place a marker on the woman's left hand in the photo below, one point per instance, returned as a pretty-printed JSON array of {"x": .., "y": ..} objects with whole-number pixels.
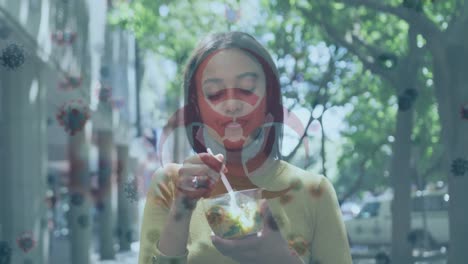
[{"x": 269, "y": 247}]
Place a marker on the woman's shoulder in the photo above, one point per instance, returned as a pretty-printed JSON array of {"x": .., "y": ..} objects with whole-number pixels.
[{"x": 304, "y": 177}]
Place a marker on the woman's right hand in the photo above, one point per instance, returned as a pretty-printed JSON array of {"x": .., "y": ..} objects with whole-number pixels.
[{"x": 197, "y": 177}]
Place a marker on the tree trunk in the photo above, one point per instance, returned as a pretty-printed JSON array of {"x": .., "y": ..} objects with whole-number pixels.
[
  {"x": 451, "y": 83},
  {"x": 323, "y": 152},
  {"x": 105, "y": 204},
  {"x": 401, "y": 184}
]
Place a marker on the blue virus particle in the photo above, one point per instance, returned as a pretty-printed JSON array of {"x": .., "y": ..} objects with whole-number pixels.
[
  {"x": 406, "y": 99},
  {"x": 76, "y": 199},
  {"x": 26, "y": 242},
  {"x": 459, "y": 167},
  {"x": 105, "y": 93},
  {"x": 12, "y": 57},
  {"x": 73, "y": 116},
  {"x": 5, "y": 252},
  {"x": 131, "y": 190},
  {"x": 83, "y": 221}
]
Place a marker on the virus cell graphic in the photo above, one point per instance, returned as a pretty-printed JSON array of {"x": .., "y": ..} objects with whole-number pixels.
[
  {"x": 459, "y": 167},
  {"x": 12, "y": 56},
  {"x": 76, "y": 199},
  {"x": 26, "y": 242},
  {"x": 5, "y": 252},
  {"x": 73, "y": 116},
  {"x": 464, "y": 112},
  {"x": 104, "y": 93},
  {"x": 298, "y": 244},
  {"x": 315, "y": 191},
  {"x": 416, "y": 5},
  {"x": 296, "y": 185},
  {"x": 131, "y": 190},
  {"x": 382, "y": 258},
  {"x": 63, "y": 37},
  {"x": 83, "y": 221},
  {"x": 104, "y": 71},
  {"x": 406, "y": 99},
  {"x": 232, "y": 15},
  {"x": 70, "y": 83}
]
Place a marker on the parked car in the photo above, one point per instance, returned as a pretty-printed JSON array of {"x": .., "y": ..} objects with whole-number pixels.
[{"x": 373, "y": 225}]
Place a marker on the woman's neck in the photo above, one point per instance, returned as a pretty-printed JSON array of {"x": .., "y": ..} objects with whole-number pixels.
[{"x": 235, "y": 166}]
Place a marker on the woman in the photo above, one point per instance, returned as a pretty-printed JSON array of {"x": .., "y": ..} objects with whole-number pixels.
[{"x": 233, "y": 106}]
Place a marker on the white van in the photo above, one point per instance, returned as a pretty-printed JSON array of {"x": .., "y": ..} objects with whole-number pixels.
[{"x": 373, "y": 225}]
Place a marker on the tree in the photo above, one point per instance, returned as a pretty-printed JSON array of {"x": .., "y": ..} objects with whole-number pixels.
[{"x": 439, "y": 27}]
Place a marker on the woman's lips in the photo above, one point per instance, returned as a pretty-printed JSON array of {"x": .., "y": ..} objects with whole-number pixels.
[{"x": 233, "y": 125}]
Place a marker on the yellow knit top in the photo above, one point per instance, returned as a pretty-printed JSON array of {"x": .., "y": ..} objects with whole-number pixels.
[{"x": 304, "y": 206}]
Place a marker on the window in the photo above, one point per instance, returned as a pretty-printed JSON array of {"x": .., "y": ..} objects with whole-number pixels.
[
  {"x": 369, "y": 210},
  {"x": 431, "y": 203}
]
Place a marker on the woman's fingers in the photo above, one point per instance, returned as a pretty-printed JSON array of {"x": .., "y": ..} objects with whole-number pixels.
[
  {"x": 190, "y": 170},
  {"x": 215, "y": 162}
]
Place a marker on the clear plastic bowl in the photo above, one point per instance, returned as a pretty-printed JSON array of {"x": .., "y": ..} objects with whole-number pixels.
[{"x": 231, "y": 222}]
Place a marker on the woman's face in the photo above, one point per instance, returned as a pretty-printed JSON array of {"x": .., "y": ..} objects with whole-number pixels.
[{"x": 231, "y": 91}]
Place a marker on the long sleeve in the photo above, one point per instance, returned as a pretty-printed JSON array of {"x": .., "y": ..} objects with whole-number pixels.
[
  {"x": 330, "y": 243},
  {"x": 158, "y": 201}
]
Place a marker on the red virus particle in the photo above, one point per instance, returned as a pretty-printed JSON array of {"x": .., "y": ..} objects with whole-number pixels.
[
  {"x": 296, "y": 184},
  {"x": 63, "y": 37},
  {"x": 315, "y": 191},
  {"x": 26, "y": 242},
  {"x": 298, "y": 244},
  {"x": 464, "y": 112},
  {"x": 70, "y": 83},
  {"x": 73, "y": 116}
]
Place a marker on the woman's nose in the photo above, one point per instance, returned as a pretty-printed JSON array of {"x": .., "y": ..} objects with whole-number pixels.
[{"x": 232, "y": 107}]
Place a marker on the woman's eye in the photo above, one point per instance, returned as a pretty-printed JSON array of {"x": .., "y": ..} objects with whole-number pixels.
[
  {"x": 215, "y": 96},
  {"x": 248, "y": 91}
]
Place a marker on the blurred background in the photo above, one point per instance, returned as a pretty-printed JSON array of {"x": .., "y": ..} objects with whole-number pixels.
[{"x": 87, "y": 87}]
